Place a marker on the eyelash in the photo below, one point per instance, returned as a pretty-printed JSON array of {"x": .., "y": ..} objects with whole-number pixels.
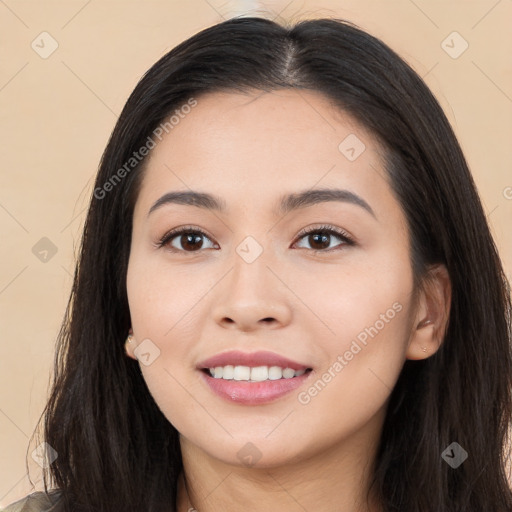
[{"x": 324, "y": 229}]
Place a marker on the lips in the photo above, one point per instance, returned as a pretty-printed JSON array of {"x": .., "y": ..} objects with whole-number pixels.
[
  {"x": 254, "y": 359},
  {"x": 254, "y": 393}
]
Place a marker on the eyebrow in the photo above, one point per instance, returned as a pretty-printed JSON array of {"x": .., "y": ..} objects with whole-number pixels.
[{"x": 286, "y": 203}]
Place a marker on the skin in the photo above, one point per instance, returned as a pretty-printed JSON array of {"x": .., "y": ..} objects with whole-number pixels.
[{"x": 249, "y": 149}]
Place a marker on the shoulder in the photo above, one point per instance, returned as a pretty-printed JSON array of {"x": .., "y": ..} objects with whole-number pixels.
[{"x": 37, "y": 502}]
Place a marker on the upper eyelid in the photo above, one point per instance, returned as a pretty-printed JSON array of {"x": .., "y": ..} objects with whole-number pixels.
[{"x": 324, "y": 227}]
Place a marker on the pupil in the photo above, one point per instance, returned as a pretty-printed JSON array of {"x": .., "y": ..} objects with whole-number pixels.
[
  {"x": 191, "y": 239},
  {"x": 324, "y": 238}
]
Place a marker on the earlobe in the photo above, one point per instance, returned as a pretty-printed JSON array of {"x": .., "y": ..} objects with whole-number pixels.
[
  {"x": 422, "y": 344},
  {"x": 432, "y": 314},
  {"x": 129, "y": 345}
]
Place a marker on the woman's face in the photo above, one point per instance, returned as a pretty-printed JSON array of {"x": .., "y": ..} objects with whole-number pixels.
[{"x": 338, "y": 304}]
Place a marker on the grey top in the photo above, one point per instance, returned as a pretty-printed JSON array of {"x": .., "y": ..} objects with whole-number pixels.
[{"x": 37, "y": 502}]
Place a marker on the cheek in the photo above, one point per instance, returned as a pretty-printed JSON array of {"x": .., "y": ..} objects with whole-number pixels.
[
  {"x": 167, "y": 307},
  {"x": 162, "y": 299},
  {"x": 362, "y": 360},
  {"x": 162, "y": 311},
  {"x": 354, "y": 294},
  {"x": 362, "y": 324}
]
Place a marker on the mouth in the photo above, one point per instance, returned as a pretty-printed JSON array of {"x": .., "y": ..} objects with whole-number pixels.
[
  {"x": 252, "y": 378},
  {"x": 251, "y": 392}
]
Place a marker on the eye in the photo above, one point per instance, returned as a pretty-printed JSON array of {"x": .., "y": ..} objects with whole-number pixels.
[
  {"x": 188, "y": 239},
  {"x": 322, "y": 236}
]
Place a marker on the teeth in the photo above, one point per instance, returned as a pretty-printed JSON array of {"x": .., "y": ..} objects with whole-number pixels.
[
  {"x": 256, "y": 374},
  {"x": 228, "y": 372},
  {"x": 259, "y": 373},
  {"x": 275, "y": 373},
  {"x": 288, "y": 373},
  {"x": 242, "y": 373}
]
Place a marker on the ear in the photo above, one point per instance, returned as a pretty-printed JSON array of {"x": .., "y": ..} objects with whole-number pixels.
[
  {"x": 130, "y": 345},
  {"x": 432, "y": 315}
]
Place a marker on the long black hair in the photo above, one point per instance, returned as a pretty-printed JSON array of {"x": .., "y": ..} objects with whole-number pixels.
[{"x": 117, "y": 451}]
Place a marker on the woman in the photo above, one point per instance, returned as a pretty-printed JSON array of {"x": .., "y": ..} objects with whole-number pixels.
[{"x": 287, "y": 294}]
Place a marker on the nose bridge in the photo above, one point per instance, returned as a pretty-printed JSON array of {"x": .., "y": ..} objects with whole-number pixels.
[
  {"x": 252, "y": 292},
  {"x": 250, "y": 264}
]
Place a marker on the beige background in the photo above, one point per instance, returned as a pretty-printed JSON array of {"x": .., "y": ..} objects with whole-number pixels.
[{"x": 57, "y": 114}]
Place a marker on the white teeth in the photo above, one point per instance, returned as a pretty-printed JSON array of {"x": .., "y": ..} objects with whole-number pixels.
[
  {"x": 256, "y": 374},
  {"x": 242, "y": 373},
  {"x": 288, "y": 373},
  {"x": 226, "y": 372},
  {"x": 259, "y": 373},
  {"x": 275, "y": 372}
]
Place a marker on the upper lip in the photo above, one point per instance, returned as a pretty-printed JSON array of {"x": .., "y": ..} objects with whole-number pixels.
[{"x": 252, "y": 359}]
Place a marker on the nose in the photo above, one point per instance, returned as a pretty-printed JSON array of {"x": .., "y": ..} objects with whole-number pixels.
[{"x": 252, "y": 296}]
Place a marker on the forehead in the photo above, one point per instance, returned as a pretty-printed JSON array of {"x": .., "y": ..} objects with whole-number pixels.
[
  {"x": 270, "y": 118},
  {"x": 252, "y": 146}
]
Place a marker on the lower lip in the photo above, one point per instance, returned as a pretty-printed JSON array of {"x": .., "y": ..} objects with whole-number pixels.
[{"x": 254, "y": 393}]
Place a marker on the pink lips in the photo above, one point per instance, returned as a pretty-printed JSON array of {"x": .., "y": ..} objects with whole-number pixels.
[
  {"x": 261, "y": 358},
  {"x": 252, "y": 393}
]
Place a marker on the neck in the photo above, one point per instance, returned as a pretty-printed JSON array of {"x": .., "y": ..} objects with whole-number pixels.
[{"x": 333, "y": 480}]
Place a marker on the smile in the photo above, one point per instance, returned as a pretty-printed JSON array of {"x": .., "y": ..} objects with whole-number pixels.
[
  {"x": 254, "y": 392},
  {"x": 255, "y": 374}
]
